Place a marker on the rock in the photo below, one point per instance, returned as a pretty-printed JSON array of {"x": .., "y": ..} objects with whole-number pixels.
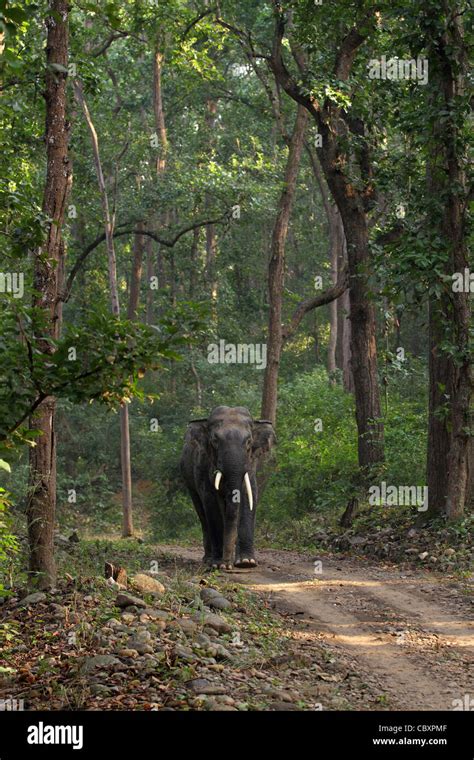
[
  {"x": 412, "y": 533},
  {"x": 184, "y": 653},
  {"x": 449, "y": 552},
  {"x": 187, "y": 626},
  {"x": 127, "y": 600},
  {"x": 280, "y": 694},
  {"x": 89, "y": 664},
  {"x": 156, "y": 614},
  {"x": 423, "y": 555},
  {"x": 127, "y": 653},
  {"x": 100, "y": 690},
  {"x": 38, "y": 596},
  {"x": 143, "y": 633},
  {"x": 127, "y": 617},
  {"x": 114, "y": 624},
  {"x": 215, "y": 599},
  {"x": 140, "y": 645},
  {"x": 283, "y": 706},
  {"x": 147, "y": 585},
  {"x": 217, "y": 650},
  {"x": 202, "y": 640},
  {"x": 211, "y": 632},
  {"x": 219, "y": 603},
  {"x": 212, "y": 621},
  {"x": 225, "y": 699},
  {"x": 203, "y": 686},
  {"x": 357, "y": 540}
]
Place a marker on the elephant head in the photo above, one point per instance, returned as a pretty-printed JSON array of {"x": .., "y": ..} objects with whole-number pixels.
[{"x": 234, "y": 442}]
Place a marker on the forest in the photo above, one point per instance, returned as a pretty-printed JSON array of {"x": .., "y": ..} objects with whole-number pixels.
[{"x": 242, "y": 227}]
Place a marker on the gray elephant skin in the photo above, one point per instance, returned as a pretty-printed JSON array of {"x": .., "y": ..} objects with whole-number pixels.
[{"x": 219, "y": 464}]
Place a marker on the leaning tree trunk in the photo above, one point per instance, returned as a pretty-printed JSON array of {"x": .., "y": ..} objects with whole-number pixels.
[
  {"x": 127, "y": 524},
  {"x": 48, "y": 267},
  {"x": 276, "y": 268}
]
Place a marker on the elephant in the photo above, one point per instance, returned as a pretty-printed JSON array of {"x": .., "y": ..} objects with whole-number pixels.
[{"x": 219, "y": 464}]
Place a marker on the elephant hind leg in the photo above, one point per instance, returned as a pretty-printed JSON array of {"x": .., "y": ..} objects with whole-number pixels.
[{"x": 206, "y": 538}]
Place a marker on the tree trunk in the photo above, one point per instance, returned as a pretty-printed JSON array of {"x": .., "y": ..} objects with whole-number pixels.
[
  {"x": 149, "y": 275},
  {"x": 343, "y": 350},
  {"x": 194, "y": 262},
  {"x": 450, "y": 316},
  {"x": 211, "y": 239},
  {"x": 127, "y": 529},
  {"x": 136, "y": 274},
  {"x": 363, "y": 345},
  {"x": 158, "y": 59},
  {"x": 353, "y": 204},
  {"x": 439, "y": 438},
  {"x": 276, "y": 268},
  {"x": 48, "y": 266},
  {"x": 336, "y": 258},
  {"x": 347, "y": 376}
]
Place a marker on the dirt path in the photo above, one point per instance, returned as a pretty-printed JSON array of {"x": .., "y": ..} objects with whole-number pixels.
[{"x": 408, "y": 634}]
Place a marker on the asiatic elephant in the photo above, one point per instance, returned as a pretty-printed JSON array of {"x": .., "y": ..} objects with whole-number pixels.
[{"x": 219, "y": 463}]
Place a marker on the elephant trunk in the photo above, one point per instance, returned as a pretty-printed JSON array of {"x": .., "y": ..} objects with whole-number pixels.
[{"x": 234, "y": 477}]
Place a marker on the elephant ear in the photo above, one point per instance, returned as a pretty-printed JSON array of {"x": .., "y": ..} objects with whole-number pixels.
[
  {"x": 196, "y": 432},
  {"x": 264, "y": 437}
]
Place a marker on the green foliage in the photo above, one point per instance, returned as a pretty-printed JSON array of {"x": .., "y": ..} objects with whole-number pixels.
[{"x": 8, "y": 542}]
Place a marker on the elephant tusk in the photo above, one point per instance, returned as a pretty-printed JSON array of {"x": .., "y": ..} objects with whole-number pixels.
[
  {"x": 217, "y": 480},
  {"x": 249, "y": 490}
]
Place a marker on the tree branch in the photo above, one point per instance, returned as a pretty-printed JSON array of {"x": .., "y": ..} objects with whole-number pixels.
[
  {"x": 313, "y": 303},
  {"x": 169, "y": 243},
  {"x": 105, "y": 46}
]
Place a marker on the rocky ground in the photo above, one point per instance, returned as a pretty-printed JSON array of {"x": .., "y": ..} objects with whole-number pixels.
[
  {"x": 174, "y": 641},
  {"x": 438, "y": 546},
  {"x": 288, "y": 636}
]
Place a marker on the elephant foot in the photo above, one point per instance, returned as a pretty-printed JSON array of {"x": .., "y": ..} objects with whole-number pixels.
[
  {"x": 220, "y": 565},
  {"x": 245, "y": 562}
]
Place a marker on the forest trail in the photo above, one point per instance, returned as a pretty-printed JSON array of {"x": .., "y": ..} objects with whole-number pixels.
[{"x": 408, "y": 633}]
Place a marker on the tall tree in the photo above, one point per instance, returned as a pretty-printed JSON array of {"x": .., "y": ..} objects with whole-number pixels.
[
  {"x": 450, "y": 357},
  {"x": 48, "y": 272},
  {"x": 336, "y": 124},
  {"x": 276, "y": 267},
  {"x": 127, "y": 524}
]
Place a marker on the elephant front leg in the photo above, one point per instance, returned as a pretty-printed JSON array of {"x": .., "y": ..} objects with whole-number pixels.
[
  {"x": 231, "y": 525},
  {"x": 245, "y": 554}
]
